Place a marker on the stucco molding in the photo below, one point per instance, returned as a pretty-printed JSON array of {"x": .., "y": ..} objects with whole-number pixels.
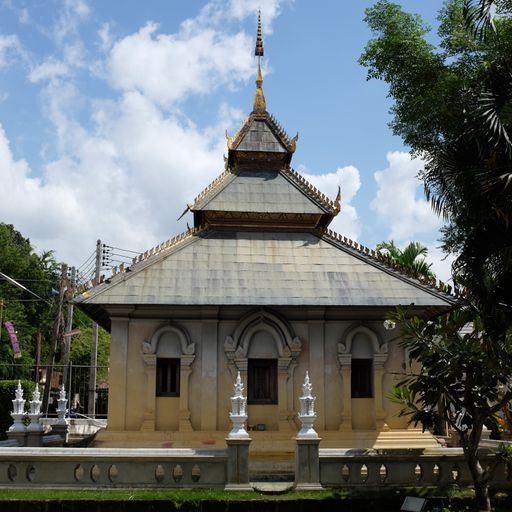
[
  {"x": 288, "y": 348},
  {"x": 149, "y": 356},
  {"x": 187, "y": 347}
]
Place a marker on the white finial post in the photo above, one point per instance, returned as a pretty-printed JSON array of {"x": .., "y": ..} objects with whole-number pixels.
[
  {"x": 307, "y": 413},
  {"x": 61, "y": 407},
  {"x": 35, "y": 411},
  {"x": 238, "y": 413},
  {"x": 18, "y": 410}
]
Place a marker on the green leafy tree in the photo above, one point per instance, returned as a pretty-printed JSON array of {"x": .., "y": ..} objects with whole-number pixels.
[
  {"x": 412, "y": 258},
  {"x": 453, "y": 107},
  {"x": 464, "y": 375},
  {"x": 30, "y": 315}
]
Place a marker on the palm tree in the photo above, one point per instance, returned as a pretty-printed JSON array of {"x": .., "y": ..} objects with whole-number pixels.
[{"x": 412, "y": 258}]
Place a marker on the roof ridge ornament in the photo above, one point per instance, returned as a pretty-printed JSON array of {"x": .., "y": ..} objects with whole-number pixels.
[{"x": 259, "y": 98}]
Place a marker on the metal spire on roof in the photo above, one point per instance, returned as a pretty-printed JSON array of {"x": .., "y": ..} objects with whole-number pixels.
[
  {"x": 259, "y": 97},
  {"x": 258, "y": 51}
]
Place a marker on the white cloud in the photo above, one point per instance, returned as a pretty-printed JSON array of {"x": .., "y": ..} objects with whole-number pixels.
[
  {"x": 50, "y": 69},
  {"x": 399, "y": 202},
  {"x": 347, "y": 178},
  {"x": 270, "y": 9},
  {"x": 125, "y": 167},
  {"x": 105, "y": 36},
  {"x": 72, "y": 13},
  {"x": 441, "y": 262},
  {"x": 169, "y": 68},
  {"x": 10, "y": 49}
]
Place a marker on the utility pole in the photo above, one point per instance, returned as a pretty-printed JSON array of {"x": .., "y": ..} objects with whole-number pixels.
[
  {"x": 91, "y": 403},
  {"x": 1, "y": 316},
  {"x": 38, "y": 356},
  {"x": 66, "y": 341},
  {"x": 55, "y": 337}
]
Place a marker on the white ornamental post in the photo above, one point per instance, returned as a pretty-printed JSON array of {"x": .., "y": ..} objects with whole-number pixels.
[
  {"x": 238, "y": 414},
  {"x": 238, "y": 441},
  {"x": 18, "y": 411},
  {"x": 61, "y": 407},
  {"x": 307, "y": 461},
  {"x": 307, "y": 413},
  {"x": 35, "y": 411}
]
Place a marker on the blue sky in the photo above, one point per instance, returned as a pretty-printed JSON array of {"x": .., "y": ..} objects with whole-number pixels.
[{"x": 112, "y": 116}]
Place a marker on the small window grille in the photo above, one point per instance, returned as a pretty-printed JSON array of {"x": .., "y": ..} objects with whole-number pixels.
[
  {"x": 168, "y": 377},
  {"x": 362, "y": 378},
  {"x": 262, "y": 381}
]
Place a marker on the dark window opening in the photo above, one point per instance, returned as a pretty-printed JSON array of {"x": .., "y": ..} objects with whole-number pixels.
[
  {"x": 167, "y": 377},
  {"x": 362, "y": 378},
  {"x": 262, "y": 381}
]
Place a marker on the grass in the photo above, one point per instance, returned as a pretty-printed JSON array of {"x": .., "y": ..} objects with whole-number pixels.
[
  {"x": 197, "y": 495},
  {"x": 175, "y": 495}
]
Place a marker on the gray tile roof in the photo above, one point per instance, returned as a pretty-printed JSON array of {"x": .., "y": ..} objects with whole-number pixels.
[
  {"x": 261, "y": 268},
  {"x": 259, "y": 137},
  {"x": 259, "y": 191}
]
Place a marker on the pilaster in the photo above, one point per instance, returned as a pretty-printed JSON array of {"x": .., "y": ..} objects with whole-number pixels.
[
  {"x": 209, "y": 375},
  {"x": 118, "y": 373},
  {"x": 317, "y": 367}
]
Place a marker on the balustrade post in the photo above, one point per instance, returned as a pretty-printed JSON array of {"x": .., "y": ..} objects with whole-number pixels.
[
  {"x": 61, "y": 427},
  {"x": 307, "y": 463},
  {"x": 35, "y": 429},
  {"x": 238, "y": 442},
  {"x": 17, "y": 430}
]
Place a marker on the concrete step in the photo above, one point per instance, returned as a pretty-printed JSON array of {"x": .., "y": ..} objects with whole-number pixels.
[{"x": 272, "y": 470}]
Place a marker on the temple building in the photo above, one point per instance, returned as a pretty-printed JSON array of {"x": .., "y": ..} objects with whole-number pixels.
[{"x": 259, "y": 285}]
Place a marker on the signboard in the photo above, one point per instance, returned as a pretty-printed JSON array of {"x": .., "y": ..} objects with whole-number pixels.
[{"x": 14, "y": 340}]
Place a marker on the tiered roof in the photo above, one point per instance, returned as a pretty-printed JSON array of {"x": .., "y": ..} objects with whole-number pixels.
[{"x": 260, "y": 238}]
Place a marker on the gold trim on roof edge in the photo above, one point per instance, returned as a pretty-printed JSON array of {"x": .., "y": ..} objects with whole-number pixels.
[
  {"x": 386, "y": 261},
  {"x": 166, "y": 246},
  {"x": 306, "y": 186}
]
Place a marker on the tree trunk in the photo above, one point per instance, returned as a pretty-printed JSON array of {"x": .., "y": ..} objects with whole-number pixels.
[
  {"x": 482, "y": 498},
  {"x": 480, "y": 476}
]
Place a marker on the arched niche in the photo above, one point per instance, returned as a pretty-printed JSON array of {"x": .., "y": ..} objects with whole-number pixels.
[
  {"x": 361, "y": 342},
  {"x": 279, "y": 342},
  {"x": 168, "y": 341}
]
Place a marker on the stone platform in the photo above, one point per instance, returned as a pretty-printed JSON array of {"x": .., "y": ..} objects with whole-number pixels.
[{"x": 267, "y": 442}]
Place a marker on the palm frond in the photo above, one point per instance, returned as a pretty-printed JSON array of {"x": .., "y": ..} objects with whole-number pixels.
[{"x": 478, "y": 17}]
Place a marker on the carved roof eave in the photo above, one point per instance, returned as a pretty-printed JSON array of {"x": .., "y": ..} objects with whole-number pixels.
[
  {"x": 269, "y": 221},
  {"x": 386, "y": 263},
  {"x": 329, "y": 206}
]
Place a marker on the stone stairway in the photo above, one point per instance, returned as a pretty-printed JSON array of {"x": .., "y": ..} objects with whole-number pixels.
[{"x": 268, "y": 467}]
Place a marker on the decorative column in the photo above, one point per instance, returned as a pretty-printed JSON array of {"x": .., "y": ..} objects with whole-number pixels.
[
  {"x": 283, "y": 364},
  {"x": 379, "y": 359},
  {"x": 18, "y": 430},
  {"x": 35, "y": 429},
  {"x": 238, "y": 441},
  {"x": 185, "y": 371},
  {"x": 148, "y": 424},
  {"x": 345, "y": 360},
  {"x": 61, "y": 427},
  {"x": 307, "y": 462}
]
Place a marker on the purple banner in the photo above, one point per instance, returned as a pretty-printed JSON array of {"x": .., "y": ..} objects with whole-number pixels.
[{"x": 14, "y": 340}]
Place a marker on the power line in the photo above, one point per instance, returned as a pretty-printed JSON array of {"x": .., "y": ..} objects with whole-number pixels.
[
  {"x": 19, "y": 285},
  {"x": 120, "y": 249},
  {"x": 91, "y": 256}
]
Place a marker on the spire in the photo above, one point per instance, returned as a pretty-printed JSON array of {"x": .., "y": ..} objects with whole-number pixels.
[
  {"x": 259, "y": 97},
  {"x": 258, "y": 51}
]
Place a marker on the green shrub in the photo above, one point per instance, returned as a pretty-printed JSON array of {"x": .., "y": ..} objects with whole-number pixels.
[{"x": 7, "y": 389}]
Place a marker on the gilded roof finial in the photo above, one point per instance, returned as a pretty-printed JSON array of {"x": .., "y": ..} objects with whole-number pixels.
[{"x": 259, "y": 97}]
